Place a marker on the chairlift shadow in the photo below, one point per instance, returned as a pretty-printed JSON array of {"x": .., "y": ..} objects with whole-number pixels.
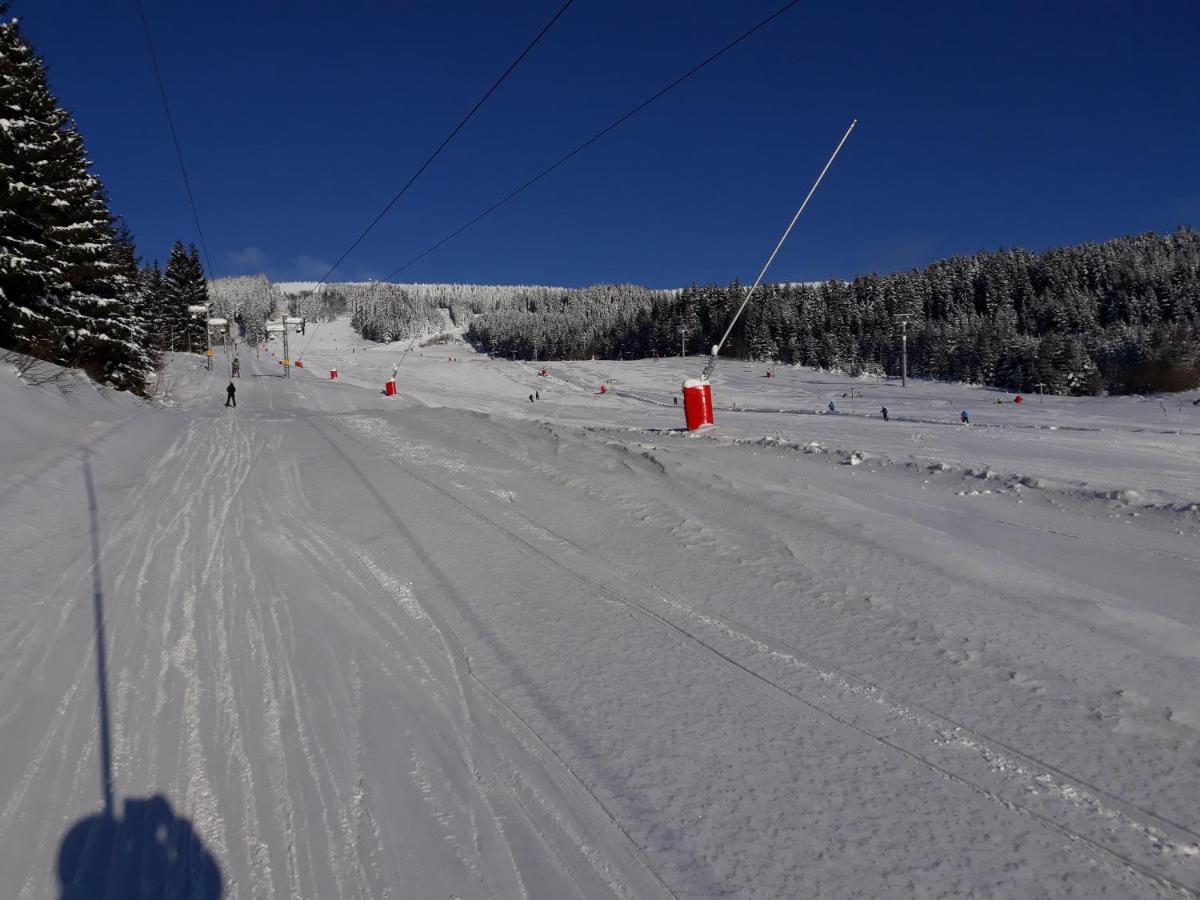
[{"x": 148, "y": 851}]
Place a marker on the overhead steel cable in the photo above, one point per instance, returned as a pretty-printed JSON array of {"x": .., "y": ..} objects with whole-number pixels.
[
  {"x": 536, "y": 178},
  {"x": 162, "y": 91},
  {"x": 457, "y": 128}
]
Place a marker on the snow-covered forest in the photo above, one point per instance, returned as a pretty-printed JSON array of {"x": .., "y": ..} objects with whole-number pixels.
[
  {"x": 379, "y": 311},
  {"x": 248, "y": 301},
  {"x": 1119, "y": 316},
  {"x": 72, "y": 289},
  {"x": 69, "y": 285}
]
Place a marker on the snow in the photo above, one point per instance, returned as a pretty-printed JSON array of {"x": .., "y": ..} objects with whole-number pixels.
[{"x": 454, "y": 643}]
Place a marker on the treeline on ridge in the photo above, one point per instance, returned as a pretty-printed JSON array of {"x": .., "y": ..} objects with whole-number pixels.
[{"x": 1117, "y": 316}]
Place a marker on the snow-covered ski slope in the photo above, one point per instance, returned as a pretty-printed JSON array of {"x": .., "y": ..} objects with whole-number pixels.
[{"x": 333, "y": 644}]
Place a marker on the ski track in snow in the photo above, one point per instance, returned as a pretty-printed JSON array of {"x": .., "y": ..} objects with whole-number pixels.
[
  {"x": 445, "y": 648},
  {"x": 1026, "y": 774}
]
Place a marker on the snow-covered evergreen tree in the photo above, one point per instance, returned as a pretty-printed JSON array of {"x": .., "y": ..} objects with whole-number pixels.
[
  {"x": 135, "y": 305},
  {"x": 157, "y": 317},
  {"x": 63, "y": 280},
  {"x": 249, "y": 301},
  {"x": 184, "y": 286}
]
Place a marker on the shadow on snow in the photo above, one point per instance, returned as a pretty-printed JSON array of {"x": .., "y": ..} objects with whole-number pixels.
[{"x": 148, "y": 851}]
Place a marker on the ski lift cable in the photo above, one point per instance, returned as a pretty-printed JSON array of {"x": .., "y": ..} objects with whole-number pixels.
[
  {"x": 457, "y": 128},
  {"x": 712, "y": 360},
  {"x": 174, "y": 137},
  {"x": 187, "y": 183},
  {"x": 597, "y": 136}
]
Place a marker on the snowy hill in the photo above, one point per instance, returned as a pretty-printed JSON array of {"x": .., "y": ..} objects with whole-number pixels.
[{"x": 457, "y": 643}]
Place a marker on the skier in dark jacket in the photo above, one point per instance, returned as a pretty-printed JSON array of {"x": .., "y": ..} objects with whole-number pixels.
[
  {"x": 231, "y": 399},
  {"x": 884, "y": 411}
]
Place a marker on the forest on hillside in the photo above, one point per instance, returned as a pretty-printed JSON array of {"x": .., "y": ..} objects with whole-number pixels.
[{"x": 1119, "y": 316}]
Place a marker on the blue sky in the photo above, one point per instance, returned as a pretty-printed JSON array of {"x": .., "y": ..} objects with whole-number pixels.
[{"x": 980, "y": 126}]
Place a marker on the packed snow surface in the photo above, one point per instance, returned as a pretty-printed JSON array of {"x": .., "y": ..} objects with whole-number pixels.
[{"x": 458, "y": 643}]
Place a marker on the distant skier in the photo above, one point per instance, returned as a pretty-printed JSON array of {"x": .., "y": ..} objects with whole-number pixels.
[
  {"x": 231, "y": 398},
  {"x": 537, "y": 395},
  {"x": 964, "y": 418},
  {"x": 832, "y": 408},
  {"x": 531, "y": 398},
  {"x": 676, "y": 399},
  {"x": 237, "y": 368},
  {"x": 884, "y": 412}
]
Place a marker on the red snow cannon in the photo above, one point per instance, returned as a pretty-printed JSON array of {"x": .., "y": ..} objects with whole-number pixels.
[
  {"x": 333, "y": 374},
  {"x": 390, "y": 388},
  {"x": 697, "y": 403}
]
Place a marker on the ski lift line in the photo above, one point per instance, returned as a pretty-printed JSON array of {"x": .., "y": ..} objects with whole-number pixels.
[
  {"x": 457, "y": 128},
  {"x": 712, "y": 360},
  {"x": 598, "y": 135},
  {"x": 162, "y": 91},
  {"x": 412, "y": 180}
]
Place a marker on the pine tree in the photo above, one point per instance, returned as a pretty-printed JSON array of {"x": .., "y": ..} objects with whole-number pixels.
[
  {"x": 61, "y": 283},
  {"x": 157, "y": 319},
  {"x": 174, "y": 312},
  {"x": 197, "y": 296},
  {"x": 133, "y": 305},
  {"x": 183, "y": 287}
]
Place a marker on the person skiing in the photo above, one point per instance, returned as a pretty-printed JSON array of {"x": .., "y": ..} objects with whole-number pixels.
[
  {"x": 964, "y": 418},
  {"x": 237, "y": 368},
  {"x": 537, "y": 395},
  {"x": 884, "y": 412},
  {"x": 832, "y": 408},
  {"x": 231, "y": 399},
  {"x": 531, "y": 398},
  {"x": 676, "y": 399}
]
